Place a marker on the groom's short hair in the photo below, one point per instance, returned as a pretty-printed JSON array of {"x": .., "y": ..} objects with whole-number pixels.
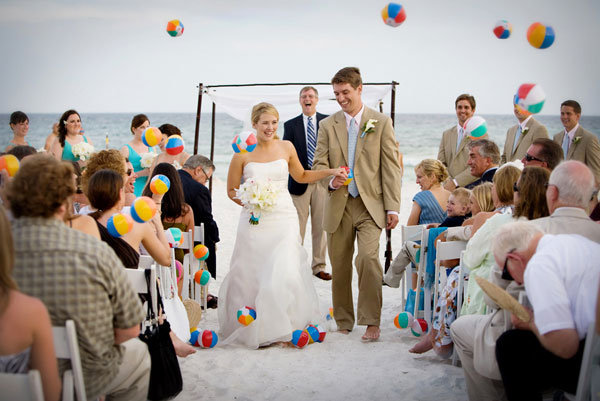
[{"x": 347, "y": 75}]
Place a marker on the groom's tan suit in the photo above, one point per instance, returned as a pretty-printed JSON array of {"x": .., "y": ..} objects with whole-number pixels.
[{"x": 377, "y": 175}]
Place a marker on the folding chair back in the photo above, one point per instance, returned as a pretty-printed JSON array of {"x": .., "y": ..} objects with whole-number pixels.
[
  {"x": 445, "y": 251},
  {"x": 21, "y": 386},
  {"x": 145, "y": 262},
  {"x": 66, "y": 346},
  {"x": 199, "y": 233},
  {"x": 137, "y": 278},
  {"x": 421, "y": 271},
  {"x": 191, "y": 289}
]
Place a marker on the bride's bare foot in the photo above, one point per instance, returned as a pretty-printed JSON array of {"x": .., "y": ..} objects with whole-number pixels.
[
  {"x": 371, "y": 333},
  {"x": 181, "y": 349},
  {"x": 284, "y": 344},
  {"x": 424, "y": 345}
]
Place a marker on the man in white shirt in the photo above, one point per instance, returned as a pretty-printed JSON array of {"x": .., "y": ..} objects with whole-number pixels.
[{"x": 521, "y": 136}]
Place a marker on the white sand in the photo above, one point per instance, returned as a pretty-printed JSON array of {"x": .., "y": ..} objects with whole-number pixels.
[{"x": 342, "y": 367}]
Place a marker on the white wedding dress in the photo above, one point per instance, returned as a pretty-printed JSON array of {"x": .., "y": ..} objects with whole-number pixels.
[{"x": 269, "y": 271}]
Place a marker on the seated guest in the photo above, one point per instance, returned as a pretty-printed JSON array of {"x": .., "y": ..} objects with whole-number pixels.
[
  {"x": 106, "y": 310},
  {"x": 19, "y": 125},
  {"x": 22, "y": 151},
  {"x": 479, "y": 201},
  {"x": 163, "y": 157},
  {"x": 26, "y": 336},
  {"x": 543, "y": 152},
  {"x": 110, "y": 159},
  {"x": 484, "y": 157},
  {"x": 429, "y": 205},
  {"x": 458, "y": 209},
  {"x": 561, "y": 275}
]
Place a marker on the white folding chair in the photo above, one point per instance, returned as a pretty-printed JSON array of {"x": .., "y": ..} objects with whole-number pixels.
[
  {"x": 421, "y": 271},
  {"x": 409, "y": 233},
  {"x": 145, "y": 262},
  {"x": 199, "y": 233},
  {"x": 66, "y": 346},
  {"x": 21, "y": 386},
  {"x": 445, "y": 251},
  {"x": 137, "y": 278},
  {"x": 463, "y": 274},
  {"x": 191, "y": 265}
]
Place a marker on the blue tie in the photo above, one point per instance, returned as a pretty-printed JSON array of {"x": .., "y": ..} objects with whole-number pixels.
[
  {"x": 311, "y": 142},
  {"x": 352, "y": 138},
  {"x": 565, "y": 145},
  {"x": 517, "y": 136},
  {"x": 459, "y": 138}
]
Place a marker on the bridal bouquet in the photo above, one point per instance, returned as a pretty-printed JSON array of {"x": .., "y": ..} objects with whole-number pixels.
[
  {"x": 257, "y": 197},
  {"x": 82, "y": 150},
  {"x": 148, "y": 159}
]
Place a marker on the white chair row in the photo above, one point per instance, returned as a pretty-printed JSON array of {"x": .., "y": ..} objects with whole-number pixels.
[{"x": 191, "y": 289}]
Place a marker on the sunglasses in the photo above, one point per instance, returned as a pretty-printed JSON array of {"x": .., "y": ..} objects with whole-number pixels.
[
  {"x": 129, "y": 172},
  {"x": 505, "y": 273},
  {"x": 529, "y": 158},
  {"x": 516, "y": 187}
]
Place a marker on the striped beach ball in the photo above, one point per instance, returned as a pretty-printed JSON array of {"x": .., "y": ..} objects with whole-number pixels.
[
  {"x": 174, "y": 145},
  {"x": 503, "y": 29},
  {"x": 143, "y": 209},
  {"x": 9, "y": 163},
  {"x": 194, "y": 334},
  {"x": 201, "y": 277},
  {"x": 322, "y": 333},
  {"x": 160, "y": 184},
  {"x": 244, "y": 142},
  {"x": 175, "y": 28},
  {"x": 300, "y": 338},
  {"x": 201, "y": 252},
  {"x": 530, "y": 98},
  {"x": 207, "y": 339},
  {"x": 393, "y": 14},
  {"x": 403, "y": 320},
  {"x": 246, "y": 315},
  {"x": 475, "y": 127},
  {"x": 540, "y": 36},
  {"x": 119, "y": 224},
  {"x": 174, "y": 236},
  {"x": 151, "y": 136},
  {"x": 313, "y": 333},
  {"x": 418, "y": 327}
]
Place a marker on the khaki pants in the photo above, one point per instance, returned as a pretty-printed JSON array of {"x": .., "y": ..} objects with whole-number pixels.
[
  {"x": 133, "y": 378},
  {"x": 356, "y": 223},
  {"x": 314, "y": 198}
]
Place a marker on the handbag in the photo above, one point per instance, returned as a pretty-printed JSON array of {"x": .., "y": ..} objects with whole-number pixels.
[{"x": 165, "y": 376}]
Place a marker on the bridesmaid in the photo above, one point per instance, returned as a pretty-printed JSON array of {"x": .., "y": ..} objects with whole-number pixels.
[
  {"x": 134, "y": 151},
  {"x": 69, "y": 134}
]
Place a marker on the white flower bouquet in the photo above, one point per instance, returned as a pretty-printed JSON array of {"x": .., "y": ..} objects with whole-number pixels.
[
  {"x": 148, "y": 159},
  {"x": 257, "y": 197},
  {"x": 82, "y": 150}
]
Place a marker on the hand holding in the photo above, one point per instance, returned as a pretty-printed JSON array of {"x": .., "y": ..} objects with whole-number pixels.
[
  {"x": 449, "y": 185},
  {"x": 519, "y": 324},
  {"x": 392, "y": 221}
]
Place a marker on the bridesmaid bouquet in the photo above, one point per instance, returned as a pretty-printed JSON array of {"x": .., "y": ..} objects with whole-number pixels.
[
  {"x": 82, "y": 150},
  {"x": 257, "y": 197},
  {"x": 148, "y": 159}
]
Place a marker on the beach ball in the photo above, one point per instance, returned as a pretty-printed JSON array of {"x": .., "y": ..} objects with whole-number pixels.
[
  {"x": 201, "y": 277},
  {"x": 200, "y": 252},
  {"x": 313, "y": 334},
  {"x": 329, "y": 315},
  {"x": 300, "y": 338},
  {"x": 350, "y": 175},
  {"x": 194, "y": 336},
  {"x": 160, "y": 184},
  {"x": 143, "y": 209},
  {"x": 244, "y": 142},
  {"x": 151, "y": 136},
  {"x": 174, "y": 236},
  {"x": 179, "y": 270},
  {"x": 246, "y": 315},
  {"x": 10, "y": 163},
  {"x": 530, "y": 98},
  {"x": 418, "y": 327},
  {"x": 475, "y": 127},
  {"x": 503, "y": 29},
  {"x": 119, "y": 224},
  {"x": 540, "y": 36},
  {"x": 175, "y": 28},
  {"x": 393, "y": 14},
  {"x": 403, "y": 320},
  {"x": 207, "y": 339},
  {"x": 322, "y": 334},
  {"x": 174, "y": 145}
]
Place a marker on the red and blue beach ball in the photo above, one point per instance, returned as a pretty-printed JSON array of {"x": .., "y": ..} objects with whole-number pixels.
[
  {"x": 540, "y": 36},
  {"x": 244, "y": 142},
  {"x": 300, "y": 338},
  {"x": 503, "y": 29},
  {"x": 393, "y": 14},
  {"x": 208, "y": 339},
  {"x": 174, "y": 145}
]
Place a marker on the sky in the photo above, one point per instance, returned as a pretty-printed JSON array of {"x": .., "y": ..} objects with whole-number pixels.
[{"x": 116, "y": 56}]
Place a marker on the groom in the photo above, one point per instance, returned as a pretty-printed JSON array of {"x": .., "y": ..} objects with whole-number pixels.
[{"x": 362, "y": 139}]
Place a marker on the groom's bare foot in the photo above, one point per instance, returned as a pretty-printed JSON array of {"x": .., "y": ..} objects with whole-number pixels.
[{"x": 371, "y": 334}]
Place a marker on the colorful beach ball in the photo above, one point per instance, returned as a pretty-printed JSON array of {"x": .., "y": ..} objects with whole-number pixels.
[
  {"x": 9, "y": 163},
  {"x": 530, "y": 98},
  {"x": 143, "y": 209},
  {"x": 313, "y": 333},
  {"x": 350, "y": 175},
  {"x": 201, "y": 277},
  {"x": 174, "y": 237},
  {"x": 503, "y": 29},
  {"x": 393, "y": 14},
  {"x": 200, "y": 252},
  {"x": 244, "y": 142},
  {"x": 246, "y": 315},
  {"x": 322, "y": 333},
  {"x": 207, "y": 339},
  {"x": 119, "y": 224},
  {"x": 540, "y": 36},
  {"x": 403, "y": 320},
  {"x": 418, "y": 327},
  {"x": 175, "y": 28},
  {"x": 160, "y": 184},
  {"x": 194, "y": 334},
  {"x": 174, "y": 145},
  {"x": 300, "y": 338},
  {"x": 475, "y": 127},
  {"x": 151, "y": 136}
]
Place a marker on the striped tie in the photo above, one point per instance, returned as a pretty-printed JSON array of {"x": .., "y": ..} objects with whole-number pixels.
[
  {"x": 311, "y": 142},
  {"x": 352, "y": 139}
]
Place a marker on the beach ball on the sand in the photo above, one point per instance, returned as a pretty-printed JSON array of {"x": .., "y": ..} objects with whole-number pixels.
[
  {"x": 393, "y": 14},
  {"x": 201, "y": 252},
  {"x": 329, "y": 315},
  {"x": 246, "y": 315},
  {"x": 179, "y": 270},
  {"x": 119, "y": 224},
  {"x": 300, "y": 338},
  {"x": 10, "y": 163},
  {"x": 313, "y": 333},
  {"x": 503, "y": 29},
  {"x": 403, "y": 320},
  {"x": 207, "y": 339},
  {"x": 175, "y": 28},
  {"x": 143, "y": 209},
  {"x": 244, "y": 142},
  {"x": 530, "y": 98},
  {"x": 322, "y": 334},
  {"x": 350, "y": 175},
  {"x": 174, "y": 236},
  {"x": 540, "y": 36},
  {"x": 160, "y": 184},
  {"x": 151, "y": 136},
  {"x": 174, "y": 145},
  {"x": 418, "y": 327},
  {"x": 194, "y": 336},
  {"x": 201, "y": 277},
  {"x": 475, "y": 127}
]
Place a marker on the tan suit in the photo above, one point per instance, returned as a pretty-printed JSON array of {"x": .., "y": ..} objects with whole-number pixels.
[
  {"x": 456, "y": 161},
  {"x": 377, "y": 174},
  {"x": 586, "y": 149},
  {"x": 533, "y": 131}
]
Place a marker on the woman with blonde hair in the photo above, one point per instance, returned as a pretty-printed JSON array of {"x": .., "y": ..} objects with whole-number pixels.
[{"x": 429, "y": 205}]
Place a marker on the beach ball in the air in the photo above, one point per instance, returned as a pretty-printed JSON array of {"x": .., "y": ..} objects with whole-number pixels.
[
  {"x": 530, "y": 98},
  {"x": 201, "y": 252},
  {"x": 151, "y": 136},
  {"x": 201, "y": 277},
  {"x": 540, "y": 36},
  {"x": 503, "y": 29},
  {"x": 403, "y": 320},
  {"x": 246, "y": 315},
  {"x": 9, "y": 163},
  {"x": 393, "y": 14},
  {"x": 143, "y": 209},
  {"x": 174, "y": 145},
  {"x": 207, "y": 339},
  {"x": 160, "y": 184},
  {"x": 300, "y": 338},
  {"x": 475, "y": 127},
  {"x": 418, "y": 327},
  {"x": 175, "y": 28},
  {"x": 119, "y": 224},
  {"x": 174, "y": 236},
  {"x": 244, "y": 142}
]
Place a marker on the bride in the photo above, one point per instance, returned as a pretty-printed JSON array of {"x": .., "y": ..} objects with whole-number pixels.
[{"x": 269, "y": 268}]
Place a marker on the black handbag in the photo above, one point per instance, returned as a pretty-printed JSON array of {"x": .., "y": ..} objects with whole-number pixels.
[{"x": 165, "y": 376}]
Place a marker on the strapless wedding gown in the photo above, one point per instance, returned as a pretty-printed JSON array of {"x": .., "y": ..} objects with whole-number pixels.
[{"x": 269, "y": 271}]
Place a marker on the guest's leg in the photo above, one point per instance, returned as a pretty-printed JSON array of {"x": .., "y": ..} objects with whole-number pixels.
[
  {"x": 301, "y": 202},
  {"x": 403, "y": 258},
  {"x": 133, "y": 377},
  {"x": 319, "y": 239}
]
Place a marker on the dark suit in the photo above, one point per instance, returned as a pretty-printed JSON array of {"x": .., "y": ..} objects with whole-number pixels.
[
  {"x": 198, "y": 197},
  {"x": 488, "y": 176}
]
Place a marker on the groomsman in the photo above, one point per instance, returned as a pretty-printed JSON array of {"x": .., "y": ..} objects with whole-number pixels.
[
  {"x": 454, "y": 151},
  {"x": 578, "y": 143},
  {"x": 302, "y": 131},
  {"x": 522, "y": 135}
]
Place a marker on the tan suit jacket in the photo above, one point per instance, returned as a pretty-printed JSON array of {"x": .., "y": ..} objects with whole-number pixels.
[
  {"x": 376, "y": 166},
  {"x": 534, "y": 130},
  {"x": 586, "y": 150},
  {"x": 456, "y": 162},
  {"x": 569, "y": 220}
]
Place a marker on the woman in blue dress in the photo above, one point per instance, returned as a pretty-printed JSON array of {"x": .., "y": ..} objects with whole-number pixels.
[
  {"x": 134, "y": 151},
  {"x": 69, "y": 134},
  {"x": 429, "y": 205}
]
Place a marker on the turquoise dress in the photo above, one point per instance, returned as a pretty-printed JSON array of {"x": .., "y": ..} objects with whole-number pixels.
[
  {"x": 431, "y": 211},
  {"x": 67, "y": 153},
  {"x": 136, "y": 162}
]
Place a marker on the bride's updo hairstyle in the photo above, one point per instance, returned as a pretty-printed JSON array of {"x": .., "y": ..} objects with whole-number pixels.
[{"x": 262, "y": 108}]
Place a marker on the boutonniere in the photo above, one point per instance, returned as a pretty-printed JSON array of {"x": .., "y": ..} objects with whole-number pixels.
[
  {"x": 368, "y": 127},
  {"x": 576, "y": 139},
  {"x": 525, "y": 131}
]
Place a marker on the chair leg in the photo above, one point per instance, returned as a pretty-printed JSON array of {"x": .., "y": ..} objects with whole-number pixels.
[{"x": 67, "y": 390}]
